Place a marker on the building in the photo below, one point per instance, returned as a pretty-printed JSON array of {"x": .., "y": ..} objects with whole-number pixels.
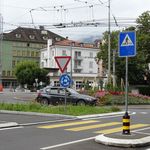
[
  {"x": 22, "y": 44},
  {"x": 82, "y": 67}
]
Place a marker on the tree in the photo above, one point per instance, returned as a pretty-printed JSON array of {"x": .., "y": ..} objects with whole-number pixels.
[
  {"x": 27, "y": 71},
  {"x": 138, "y": 65}
]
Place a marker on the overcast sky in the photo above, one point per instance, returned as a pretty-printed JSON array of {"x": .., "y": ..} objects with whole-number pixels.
[{"x": 17, "y": 12}]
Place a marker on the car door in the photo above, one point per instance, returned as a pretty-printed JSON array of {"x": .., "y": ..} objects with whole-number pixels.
[{"x": 54, "y": 96}]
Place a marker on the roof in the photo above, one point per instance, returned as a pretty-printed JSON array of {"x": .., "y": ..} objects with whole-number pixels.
[
  {"x": 31, "y": 35},
  {"x": 67, "y": 42}
]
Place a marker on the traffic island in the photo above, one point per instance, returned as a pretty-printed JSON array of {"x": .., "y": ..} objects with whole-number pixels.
[{"x": 120, "y": 140}]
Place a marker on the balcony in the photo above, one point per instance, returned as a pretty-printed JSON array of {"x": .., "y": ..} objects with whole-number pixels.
[{"x": 78, "y": 58}]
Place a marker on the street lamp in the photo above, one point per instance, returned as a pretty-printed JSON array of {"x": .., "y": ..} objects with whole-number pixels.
[
  {"x": 109, "y": 71},
  {"x": 1, "y": 38}
]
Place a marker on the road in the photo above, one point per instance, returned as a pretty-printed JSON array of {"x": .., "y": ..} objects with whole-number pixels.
[
  {"x": 17, "y": 97},
  {"x": 67, "y": 135}
]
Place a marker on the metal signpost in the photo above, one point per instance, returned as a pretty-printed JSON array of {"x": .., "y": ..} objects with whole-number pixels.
[
  {"x": 65, "y": 81},
  {"x": 127, "y": 48}
]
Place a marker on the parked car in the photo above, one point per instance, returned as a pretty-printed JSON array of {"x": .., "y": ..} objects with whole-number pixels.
[{"x": 56, "y": 95}]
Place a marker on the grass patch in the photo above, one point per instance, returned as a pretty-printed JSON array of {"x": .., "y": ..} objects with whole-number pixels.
[{"x": 70, "y": 109}]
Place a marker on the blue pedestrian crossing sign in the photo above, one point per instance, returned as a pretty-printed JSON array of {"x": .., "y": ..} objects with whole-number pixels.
[{"x": 127, "y": 44}]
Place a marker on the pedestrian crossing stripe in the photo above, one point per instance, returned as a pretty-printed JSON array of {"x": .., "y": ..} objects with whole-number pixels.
[
  {"x": 114, "y": 130},
  {"x": 67, "y": 124},
  {"x": 93, "y": 126},
  {"x": 127, "y": 41}
]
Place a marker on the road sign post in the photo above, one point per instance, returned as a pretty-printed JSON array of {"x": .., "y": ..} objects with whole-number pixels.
[
  {"x": 127, "y": 48},
  {"x": 65, "y": 81}
]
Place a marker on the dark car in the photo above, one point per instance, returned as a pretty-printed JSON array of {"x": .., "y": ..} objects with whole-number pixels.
[{"x": 56, "y": 95}]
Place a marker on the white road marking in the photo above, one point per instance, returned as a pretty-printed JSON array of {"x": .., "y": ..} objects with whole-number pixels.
[
  {"x": 143, "y": 133},
  {"x": 68, "y": 143},
  {"x": 12, "y": 128},
  {"x": 144, "y": 113},
  {"x": 141, "y": 129},
  {"x": 133, "y": 113}
]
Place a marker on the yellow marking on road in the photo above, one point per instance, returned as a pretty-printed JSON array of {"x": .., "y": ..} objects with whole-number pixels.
[
  {"x": 109, "y": 131},
  {"x": 93, "y": 126},
  {"x": 67, "y": 124}
]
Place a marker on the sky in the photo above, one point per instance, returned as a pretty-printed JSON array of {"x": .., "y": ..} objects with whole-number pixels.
[{"x": 49, "y": 12}]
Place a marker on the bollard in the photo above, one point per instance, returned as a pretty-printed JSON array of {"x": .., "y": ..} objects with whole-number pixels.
[{"x": 126, "y": 124}]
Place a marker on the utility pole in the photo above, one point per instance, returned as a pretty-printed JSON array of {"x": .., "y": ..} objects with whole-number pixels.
[
  {"x": 1, "y": 38},
  {"x": 114, "y": 68},
  {"x": 109, "y": 54}
]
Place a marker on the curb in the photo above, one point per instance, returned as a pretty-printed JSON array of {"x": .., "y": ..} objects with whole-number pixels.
[
  {"x": 34, "y": 113},
  {"x": 122, "y": 142},
  {"x": 8, "y": 124}
]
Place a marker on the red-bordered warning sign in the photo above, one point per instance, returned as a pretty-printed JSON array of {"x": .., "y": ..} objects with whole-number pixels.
[{"x": 62, "y": 62}]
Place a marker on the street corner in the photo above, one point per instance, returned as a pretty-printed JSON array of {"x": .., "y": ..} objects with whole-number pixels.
[{"x": 120, "y": 140}]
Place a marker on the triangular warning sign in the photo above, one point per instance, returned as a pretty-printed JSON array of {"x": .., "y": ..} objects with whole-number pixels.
[
  {"x": 62, "y": 62},
  {"x": 127, "y": 41}
]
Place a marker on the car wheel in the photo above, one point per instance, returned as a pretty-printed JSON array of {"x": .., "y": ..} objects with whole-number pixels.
[
  {"x": 44, "y": 102},
  {"x": 81, "y": 103}
]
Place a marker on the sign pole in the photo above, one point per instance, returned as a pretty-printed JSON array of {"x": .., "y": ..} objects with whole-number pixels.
[
  {"x": 126, "y": 91},
  {"x": 127, "y": 48},
  {"x": 65, "y": 100},
  {"x": 126, "y": 117}
]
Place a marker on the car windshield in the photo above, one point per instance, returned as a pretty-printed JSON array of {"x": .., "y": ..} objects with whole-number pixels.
[{"x": 72, "y": 91}]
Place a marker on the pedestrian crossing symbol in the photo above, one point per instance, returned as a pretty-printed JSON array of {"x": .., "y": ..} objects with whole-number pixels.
[{"x": 127, "y": 41}]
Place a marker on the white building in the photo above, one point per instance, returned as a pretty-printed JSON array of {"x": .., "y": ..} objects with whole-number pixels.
[{"x": 82, "y": 67}]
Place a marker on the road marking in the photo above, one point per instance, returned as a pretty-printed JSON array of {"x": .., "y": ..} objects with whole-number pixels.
[
  {"x": 68, "y": 143},
  {"x": 142, "y": 133},
  {"x": 67, "y": 124},
  {"x": 110, "y": 116},
  {"x": 11, "y": 128},
  {"x": 93, "y": 126},
  {"x": 109, "y": 131}
]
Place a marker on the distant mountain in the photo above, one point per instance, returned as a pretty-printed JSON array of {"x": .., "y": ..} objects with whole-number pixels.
[{"x": 90, "y": 39}]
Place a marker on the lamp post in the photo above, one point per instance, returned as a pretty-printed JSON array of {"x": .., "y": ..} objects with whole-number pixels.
[
  {"x": 109, "y": 71},
  {"x": 1, "y": 38}
]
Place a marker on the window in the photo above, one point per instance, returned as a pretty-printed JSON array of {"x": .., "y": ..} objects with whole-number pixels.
[
  {"x": 23, "y": 53},
  {"x": 79, "y": 84},
  {"x": 56, "y": 83},
  {"x": 4, "y": 73},
  {"x": 64, "y": 53},
  {"x": 32, "y": 54},
  {"x": 14, "y": 53},
  {"x": 91, "y": 54},
  {"x": 18, "y": 36},
  {"x": 53, "y": 53},
  {"x": 28, "y": 53},
  {"x": 8, "y": 73},
  {"x": 32, "y": 37},
  {"x": 45, "y": 38},
  {"x": 90, "y": 64},
  {"x": 18, "y": 53},
  {"x": 54, "y": 91},
  {"x": 13, "y": 63}
]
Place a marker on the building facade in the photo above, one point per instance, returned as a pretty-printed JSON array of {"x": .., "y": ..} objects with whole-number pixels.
[
  {"x": 82, "y": 67},
  {"x": 19, "y": 45}
]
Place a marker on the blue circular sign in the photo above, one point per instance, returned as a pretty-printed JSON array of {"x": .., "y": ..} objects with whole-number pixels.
[{"x": 65, "y": 80}]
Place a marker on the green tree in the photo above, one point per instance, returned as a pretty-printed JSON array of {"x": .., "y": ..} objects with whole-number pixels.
[
  {"x": 27, "y": 71},
  {"x": 138, "y": 65}
]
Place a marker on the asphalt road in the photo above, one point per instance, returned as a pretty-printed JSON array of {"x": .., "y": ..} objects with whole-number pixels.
[
  {"x": 17, "y": 97},
  {"x": 67, "y": 135}
]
